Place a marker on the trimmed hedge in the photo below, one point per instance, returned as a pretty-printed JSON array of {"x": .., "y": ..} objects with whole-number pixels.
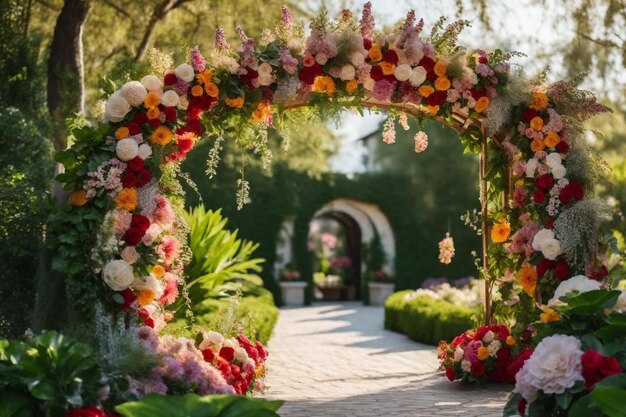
[{"x": 426, "y": 320}]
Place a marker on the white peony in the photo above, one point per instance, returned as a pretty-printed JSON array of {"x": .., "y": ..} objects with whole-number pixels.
[
  {"x": 126, "y": 149},
  {"x": 117, "y": 274},
  {"x": 134, "y": 92},
  {"x": 357, "y": 59},
  {"x": 578, "y": 283},
  {"x": 488, "y": 337},
  {"x": 116, "y": 108},
  {"x": 554, "y": 159},
  {"x": 149, "y": 283},
  {"x": 403, "y": 72},
  {"x": 418, "y": 76},
  {"x": 620, "y": 305},
  {"x": 169, "y": 98},
  {"x": 321, "y": 58},
  {"x": 241, "y": 355},
  {"x": 551, "y": 248},
  {"x": 559, "y": 172},
  {"x": 369, "y": 84},
  {"x": 185, "y": 72},
  {"x": 531, "y": 167},
  {"x": 183, "y": 103},
  {"x": 152, "y": 83},
  {"x": 265, "y": 68},
  {"x": 542, "y": 236},
  {"x": 145, "y": 151},
  {"x": 347, "y": 72},
  {"x": 554, "y": 367}
]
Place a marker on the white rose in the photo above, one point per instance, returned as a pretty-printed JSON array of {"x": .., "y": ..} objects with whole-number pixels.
[
  {"x": 265, "y": 68},
  {"x": 488, "y": 337},
  {"x": 130, "y": 255},
  {"x": 531, "y": 167},
  {"x": 541, "y": 237},
  {"x": 145, "y": 151},
  {"x": 169, "y": 98},
  {"x": 418, "y": 76},
  {"x": 357, "y": 59},
  {"x": 369, "y": 84},
  {"x": 466, "y": 366},
  {"x": 185, "y": 72},
  {"x": 403, "y": 72},
  {"x": 241, "y": 355},
  {"x": 265, "y": 79},
  {"x": 551, "y": 248},
  {"x": 620, "y": 305},
  {"x": 347, "y": 72},
  {"x": 494, "y": 347},
  {"x": 210, "y": 339},
  {"x": 559, "y": 172},
  {"x": 134, "y": 92},
  {"x": 116, "y": 108},
  {"x": 126, "y": 149},
  {"x": 152, "y": 82},
  {"x": 183, "y": 103},
  {"x": 231, "y": 343},
  {"x": 578, "y": 283},
  {"x": 554, "y": 159},
  {"x": 458, "y": 354},
  {"x": 149, "y": 283},
  {"x": 321, "y": 58},
  {"x": 118, "y": 274}
]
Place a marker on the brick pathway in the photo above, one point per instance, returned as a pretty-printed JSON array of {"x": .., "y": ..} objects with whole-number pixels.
[{"x": 337, "y": 360}]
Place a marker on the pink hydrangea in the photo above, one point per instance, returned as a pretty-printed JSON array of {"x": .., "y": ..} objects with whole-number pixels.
[
  {"x": 121, "y": 221},
  {"x": 521, "y": 241},
  {"x": 383, "y": 90}
]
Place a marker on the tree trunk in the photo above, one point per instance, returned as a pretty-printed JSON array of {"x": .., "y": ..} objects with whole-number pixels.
[{"x": 160, "y": 11}]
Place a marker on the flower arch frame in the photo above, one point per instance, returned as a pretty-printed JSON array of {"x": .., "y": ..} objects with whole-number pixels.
[{"x": 535, "y": 169}]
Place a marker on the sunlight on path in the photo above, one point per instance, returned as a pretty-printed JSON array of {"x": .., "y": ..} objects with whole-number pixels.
[{"x": 337, "y": 360}]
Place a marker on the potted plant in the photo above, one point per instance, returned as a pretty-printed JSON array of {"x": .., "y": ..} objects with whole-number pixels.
[
  {"x": 291, "y": 287},
  {"x": 329, "y": 285},
  {"x": 380, "y": 286}
]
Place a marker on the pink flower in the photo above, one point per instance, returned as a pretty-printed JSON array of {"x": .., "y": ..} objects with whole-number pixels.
[
  {"x": 130, "y": 255},
  {"x": 520, "y": 196},
  {"x": 522, "y": 240},
  {"x": 169, "y": 249},
  {"x": 197, "y": 60},
  {"x": 121, "y": 221},
  {"x": 383, "y": 90},
  {"x": 170, "y": 293},
  {"x": 163, "y": 215},
  {"x": 308, "y": 60},
  {"x": 471, "y": 351},
  {"x": 529, "y": 132},
  {"x": 519, "y": 168}
]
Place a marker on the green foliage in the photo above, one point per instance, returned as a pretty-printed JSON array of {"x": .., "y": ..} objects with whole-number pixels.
[
  {"x": 194, "y": 405},
  {"x": 426, "y": 320}
]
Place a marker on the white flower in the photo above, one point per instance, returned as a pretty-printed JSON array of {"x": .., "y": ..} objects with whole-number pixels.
[
  {"x": 620, "y": 305},
  {"x": 357, "y": 59},
  {"x": 185, "y": 72},
  {"x": 231, "y": 343},
  {"x": 531, "y": 167},
  {"x": 149, "y": 283},
  {"x": 418, "y": 76},
  {"x": 126, "y": 149},
  {"x": 241, "y": 355},
  {"x": 554, "y": 159},
  {"x": 369, "y": 84},
  {"x": 466, "y": 366},
  {"x": 347, "y": 72},
  {"x": 211, "y": 339},
  {"x": 551, "y": 248},
  {"x": 152, "y": 83},
  {"x": 117, "y": 274},
  {"x": 559, "y": 171},
  {"x": 488, "y": 337},
  {"x": 169, "y": 98},
  {"x": 296, "y": 45},
  {"x": 265, "y": 68},
  {"x": 578, "y": 283},
  {"x": 403, "y": 72},
  {"x": 321, "y": 58},
  {"x": 494, "y": 347},
  {"x": 458, "y": 354},
  {"x": 265, "y": 79},
  {"x": 554, "y": 367},
  {"x": 183, "y": 103},
  {"x": 134, "y": 92},
  {"x": 130, "y": 255},
  {"x": 542, "y": 236},
  {"x": 145, "y": 151},
  {"x": 116, "y": 108}
]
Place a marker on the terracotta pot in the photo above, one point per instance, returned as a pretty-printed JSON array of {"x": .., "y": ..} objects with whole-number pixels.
[{"x": 331, "y": 293}]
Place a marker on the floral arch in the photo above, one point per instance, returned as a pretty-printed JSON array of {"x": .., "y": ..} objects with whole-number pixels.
[{"x": 538, "y": 220}]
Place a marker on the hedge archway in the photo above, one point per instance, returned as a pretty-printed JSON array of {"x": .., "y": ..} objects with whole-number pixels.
[{"x": 538, "y": 218}]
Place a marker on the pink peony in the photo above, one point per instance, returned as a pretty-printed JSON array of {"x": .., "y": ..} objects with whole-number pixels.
[
  {"x": 121, "y": 221},
  {"x": 164, "y": 214}
]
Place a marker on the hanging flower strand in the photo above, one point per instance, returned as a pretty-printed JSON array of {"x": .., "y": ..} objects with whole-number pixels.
[
  {"x": 389, "y": 130},
  {"x": 421, "y": 141},
  {"x": 446, "y": 249}
]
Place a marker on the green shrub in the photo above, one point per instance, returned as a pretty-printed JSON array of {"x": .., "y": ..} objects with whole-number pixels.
[{"x": 426, "y": 320}]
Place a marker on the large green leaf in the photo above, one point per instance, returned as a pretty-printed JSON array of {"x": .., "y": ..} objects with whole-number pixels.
[
  {"x": 610, "y": 400},
  {"x": 16, "y": 405},
  {"x": 615, "y": 330},
  {"x": 591, "y": 302}
]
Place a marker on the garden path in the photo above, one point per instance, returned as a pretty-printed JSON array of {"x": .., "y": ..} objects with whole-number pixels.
[{"x": 337, "y": 360}]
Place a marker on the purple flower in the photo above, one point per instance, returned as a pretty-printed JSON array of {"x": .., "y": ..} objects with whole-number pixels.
[
  {"x": 197, "y": 60},
  {"x": 383, "y": 90}
]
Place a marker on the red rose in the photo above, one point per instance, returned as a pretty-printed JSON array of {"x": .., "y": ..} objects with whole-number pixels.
[
  {"x": 545, "y": 182},
  {"x": 268, "y": 94},
  {"x": 431, "y": 76},
  {"x": 227, "y": 353},
  {"x": 529, "y": 114},
  {"x": 578, "y": 192},
  {"x": 139, "y": 118},
  {"x": 243, "y": 340},
  {"x": 143, "y": 314},
  {"x": 591, "y": 379},
  {"x": 478, "y": 94},
  {"x": 144, "y": 177},
  {"x": 133, "y": 236},
  {"x": 549, "y": 223},
  {"x": 193, "y": 112},
  {"x": 544, "y": 266},
  {"x": 129, "y": 298},
  {"x": 437, "y": 98},
  {"x": 517, "y": 364},
  {"x": 249, "y": 77},
  {"x": 129, "y": 180},
  {"x": 482, "y": 59},
  {"x": 154, "y": 123},
  {"x": 170, "y": 79},
  {"x": 377, "y": 73},
  {"x": 135, "y": 164},
  {"x": 521, "y": 406},
  {"x": 170, "y": 114},
  {"x": 591, "y": 361},
  {"x": 566, "y": 195},
  {"x": 428, "y": 63},
  {"x": 481, "y": 332},
  {"x": 307, "y": 75},
  {"x": 478, "y": 369},
  {"x": 504, "y": 354},
  {"x": 367, "y": 43},
  {"x": 610, "y": 366},
  {"x": 208, "y": 355},
  {"x": 599, "y": 273},
  {"x": 149, "y": 322},
  {"x": 561, "y": 270},
  {"x": 539, "y": 196},
  {"x": 450, "y": 374},
  {"x": 133, "y": 128},
  {"x": 390, "y": 56},
  {"x": 85, "y": 412},
  {"x": 140, "y": 222},
  {"x": 562, "y": 147},
  {"x": 261, "y": 349}
]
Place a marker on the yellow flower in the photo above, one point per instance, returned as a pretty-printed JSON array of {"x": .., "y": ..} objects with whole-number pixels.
[
  {"x": 158, "y": 271},
  {"x": 536, "y": 123},
  {"x": 440, "y": 68},
  {"x": 387, "y": 67},
  {"x": 211, "y": 89},
  {"x": 442, "y": 83},
  {"x": 78, "y": 198},
  {"x": 549, "y": 315},
  {"x": 537, "y": 145},
  {"x": 204, "y": 77},
  {"x": 510, "y": 340},
  {"x": 425, "y": 90},
  {"x": 528, "y": 279},
  {"x": 127, "y": 199},
  {"x": 551, "y": 140},
  {"x": 197, "y": 91},
  {"x": 122, "y": 133},
  {"x": 259, "y": 372},
  {"x": 262, "y": 112},
  {"x": 519, "y": 182},
  {"x": 500, "y": 232},
  {"x": 236, "y": 102},
  {"x": 162, "y": 135},
  {"x": 538, "y": 101},
  {"x": 324, "y": 84},
  {"x": 151, "y": 101},
  {"x": 153, "y": 113},
  {"x": 375, "y": 54},
  {"x": 145, "y": 297},
  {"x": 481, "y": 104},
  {"x": 351, "y": 85},
  {"x": 482, "y": 353}
]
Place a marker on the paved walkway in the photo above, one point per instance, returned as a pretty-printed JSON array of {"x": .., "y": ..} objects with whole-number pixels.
[{"x": 337, "y": 360}]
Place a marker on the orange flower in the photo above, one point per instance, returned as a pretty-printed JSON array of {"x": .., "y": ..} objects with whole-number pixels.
[
  {"x": 204, "y": 77},
  {"x": 538, "y": 101},
  {"x": 536, "y": 123},
  {"x": 158, "y": 271},
  {"x": 162, "y": 135},
  {"x": 197, "y": 90},
  {"x": 537, "y": 145},
  {"x": 262, "y": 112},
  {"x": 127, "y": 199},
  {"x": 122, "y": 133},
  {"x": 236, "y": 102},
  {"x": 528, "y": 279},
  {"x": 351, "y": 85},
  {"x": 440, "y": 68},
  {"x": 549, "y": 315},
  {"x": 259, "y": 372},
  {"x": 481, "y": 104},
  {"x": 387, "y": 67},
  {"x": 442, "y": 83},
  {"x": 145, "y": 297},
  {"x": 510, "y": 340},
  {"x": 426, "y": 90},
  {"x": 211, "y": 89},
  {"x": 78, "y": 198},
  {"x": 482, "y": 353},
  {"x": 375, "y": 54},
  {"x": 151, "y": 101},
  {"x": 324, "y": 84},
  {"x": 153, "y": 113},
  {"x": 500, "y": 232},
  {"x": 551, "y": 140},
  {"x": 432, "y": 110}
]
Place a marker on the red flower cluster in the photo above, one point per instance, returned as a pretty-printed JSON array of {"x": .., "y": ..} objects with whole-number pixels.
[
  {"x": 138, "y": 226},
  {"x": 597, "y": 367},
  {"x": 307, "y": 74},
  {"x": 90, "y": 411}
]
